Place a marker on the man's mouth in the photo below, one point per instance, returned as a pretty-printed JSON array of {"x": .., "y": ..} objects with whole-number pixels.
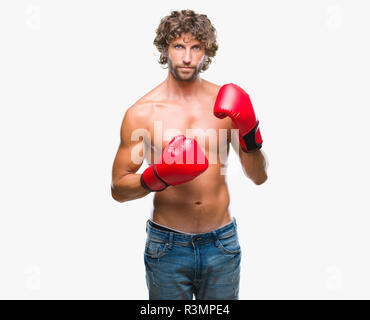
[{"x": 186, "y": 68}]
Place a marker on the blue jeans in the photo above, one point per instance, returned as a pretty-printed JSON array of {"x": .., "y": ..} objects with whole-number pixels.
[{"x": 180, "y": 265}]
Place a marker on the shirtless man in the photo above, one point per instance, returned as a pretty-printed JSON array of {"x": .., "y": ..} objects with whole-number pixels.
[{"x": 192, "y": 245}]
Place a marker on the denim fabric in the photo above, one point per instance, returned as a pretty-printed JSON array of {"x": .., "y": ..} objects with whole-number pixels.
[{"x": 182, "y": 266}]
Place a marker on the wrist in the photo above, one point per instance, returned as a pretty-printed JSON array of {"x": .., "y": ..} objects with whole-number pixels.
[
  {"x": 150, "y": 180},
  {"x": 252, "y": 140}
]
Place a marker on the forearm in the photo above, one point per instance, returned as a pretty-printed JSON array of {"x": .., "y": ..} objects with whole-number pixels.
[
  {"x": 255, "y": 165},
  {"x": 128, "y": 188}
]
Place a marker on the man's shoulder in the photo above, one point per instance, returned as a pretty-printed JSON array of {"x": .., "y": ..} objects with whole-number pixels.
[
  {"x": 143, "y": 107},
  {"x": 147, "y": 101},
  {"x": 212, "y": 88},
  {"x": 139, "y": 113},
  {"x": 211, "y": 85}
]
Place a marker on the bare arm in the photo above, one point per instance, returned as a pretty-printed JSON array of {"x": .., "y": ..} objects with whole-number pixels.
[
  {"x": 130, "y": 156},
  {"x": 254, "y": 163}
]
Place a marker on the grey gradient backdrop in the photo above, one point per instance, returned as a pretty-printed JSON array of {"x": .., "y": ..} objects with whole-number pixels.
[{"x": 70, "y": 69}]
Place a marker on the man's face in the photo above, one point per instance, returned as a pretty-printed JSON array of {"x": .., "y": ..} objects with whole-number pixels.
[{"x": 185, "y": 57}]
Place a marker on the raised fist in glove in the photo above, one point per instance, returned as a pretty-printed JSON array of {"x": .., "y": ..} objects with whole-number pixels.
[
  {"x": 234, "y": 102},
  {"x": 181, "y": 161}
]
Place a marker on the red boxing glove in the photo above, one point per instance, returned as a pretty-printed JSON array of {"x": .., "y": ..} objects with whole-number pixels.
[
  {"x": 234, "y": 102},
  {"x": 182, "y": 160}
]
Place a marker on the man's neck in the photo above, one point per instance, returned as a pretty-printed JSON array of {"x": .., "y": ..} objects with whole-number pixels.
[{"x": 182, "y": 90}]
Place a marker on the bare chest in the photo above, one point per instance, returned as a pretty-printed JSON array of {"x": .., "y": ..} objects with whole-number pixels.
[{"x": 194, "y": 121}]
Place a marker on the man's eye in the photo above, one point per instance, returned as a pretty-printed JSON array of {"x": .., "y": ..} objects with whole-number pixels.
[{"x": 180, "y": 46}]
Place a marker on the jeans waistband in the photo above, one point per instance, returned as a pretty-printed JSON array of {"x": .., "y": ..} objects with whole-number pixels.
[
  {"x": 160, "y": 227},
  {"x": 224, "y": 232}
]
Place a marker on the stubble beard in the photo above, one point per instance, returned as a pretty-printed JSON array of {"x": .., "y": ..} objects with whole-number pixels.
[{"x": 178, "y": 76}]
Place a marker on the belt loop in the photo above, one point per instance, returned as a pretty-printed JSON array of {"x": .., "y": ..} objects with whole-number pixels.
[
  {"x": 170, "y": 240},
  {"x": 215, "y": 237}
]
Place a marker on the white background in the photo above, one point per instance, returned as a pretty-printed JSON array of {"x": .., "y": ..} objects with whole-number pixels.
[{"x": 70, "y": 69}]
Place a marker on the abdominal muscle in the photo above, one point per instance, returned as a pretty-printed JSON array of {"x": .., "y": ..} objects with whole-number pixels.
[{"x": 198, "y": 206}]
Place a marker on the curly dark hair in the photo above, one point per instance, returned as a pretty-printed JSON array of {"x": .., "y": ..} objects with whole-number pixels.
[{"x": 171, "y": 27}]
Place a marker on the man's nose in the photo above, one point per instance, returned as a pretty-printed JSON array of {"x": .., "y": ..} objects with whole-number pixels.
[{"x": 187, "y": 57}]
